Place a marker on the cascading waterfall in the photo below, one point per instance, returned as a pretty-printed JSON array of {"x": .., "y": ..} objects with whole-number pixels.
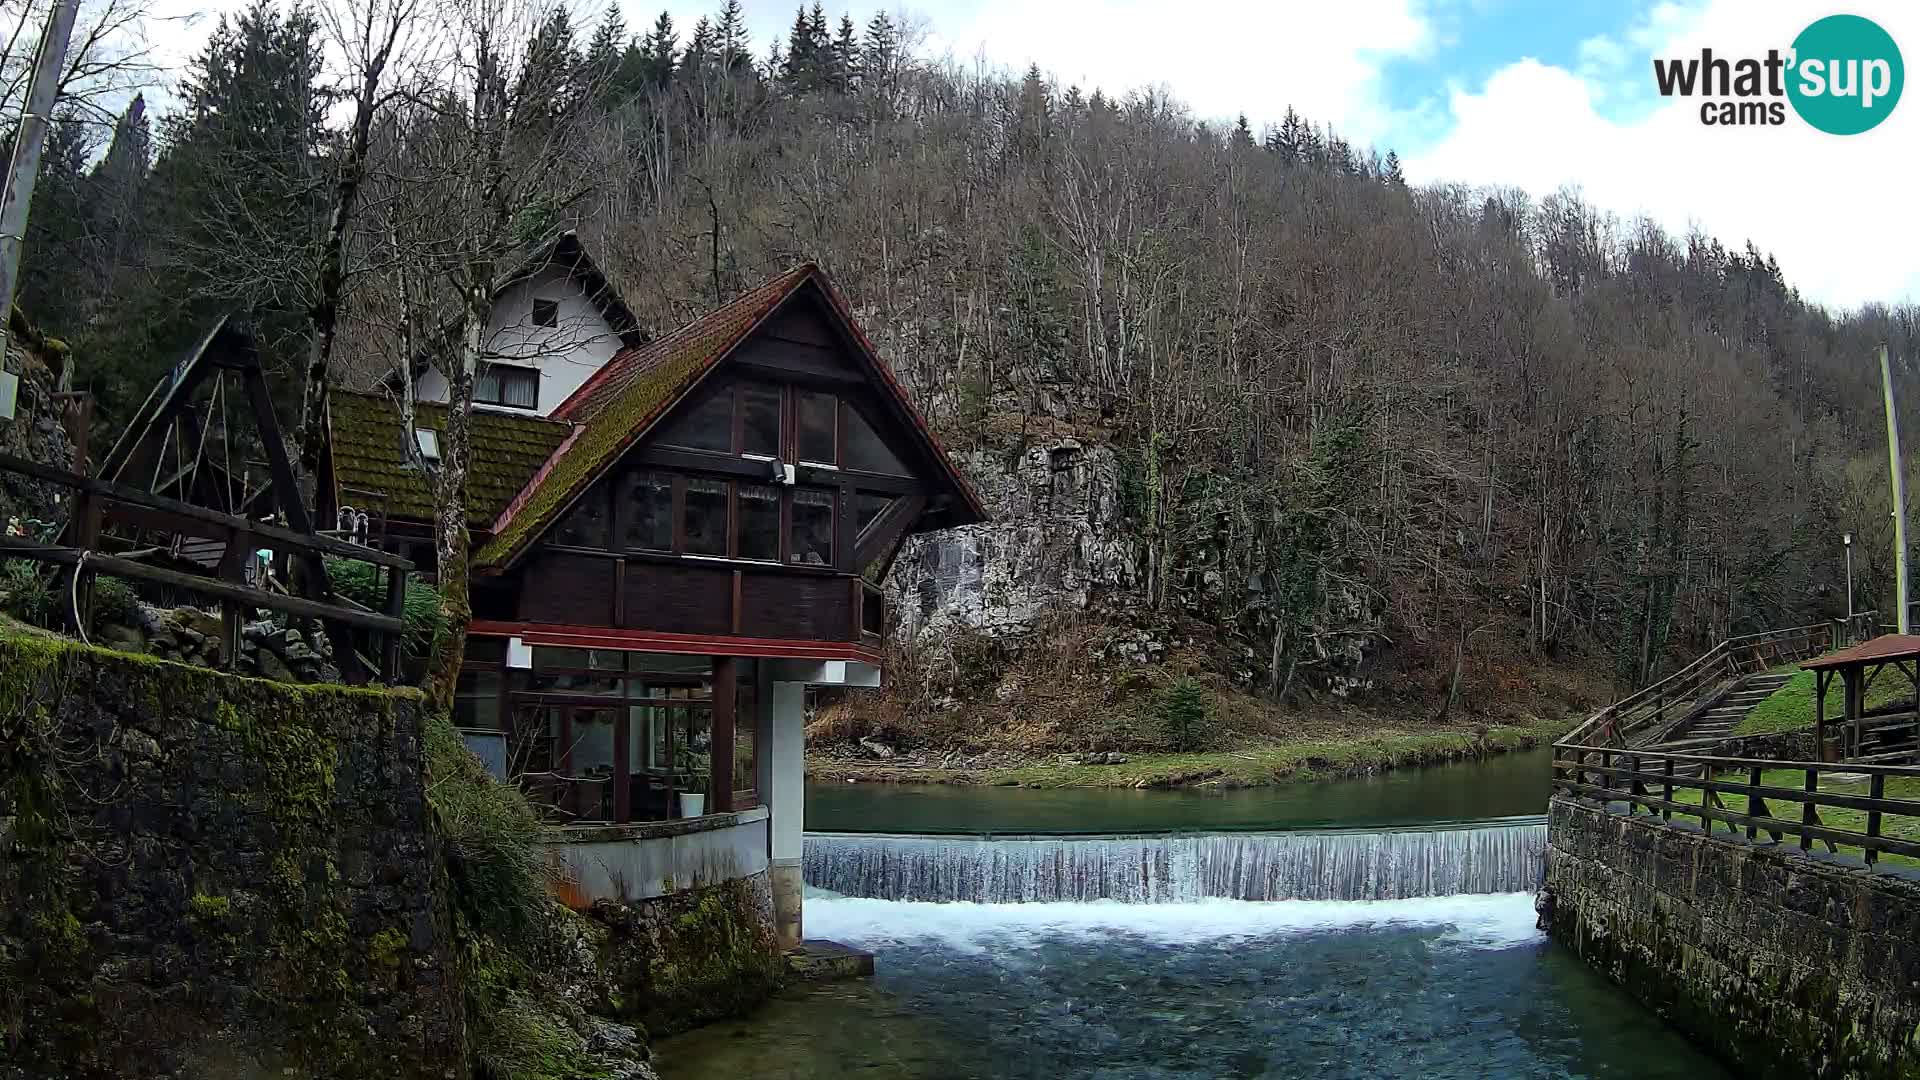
[{"x": 1492, "y": 857}]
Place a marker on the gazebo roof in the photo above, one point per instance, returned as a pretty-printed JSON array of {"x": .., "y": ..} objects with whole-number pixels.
[{"x": 1881, "y": 650}]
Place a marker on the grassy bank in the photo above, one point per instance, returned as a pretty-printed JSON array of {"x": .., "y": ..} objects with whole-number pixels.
[
  {"x": 1279, "y": 762},
  {"x": 1792, "y": 706}
]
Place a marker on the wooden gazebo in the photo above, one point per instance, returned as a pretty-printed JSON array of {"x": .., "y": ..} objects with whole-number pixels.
[{"x": 1857, "y": 668}]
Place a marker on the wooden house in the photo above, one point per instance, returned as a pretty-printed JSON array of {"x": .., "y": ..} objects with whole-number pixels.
[{"x": 666, "y": 558}]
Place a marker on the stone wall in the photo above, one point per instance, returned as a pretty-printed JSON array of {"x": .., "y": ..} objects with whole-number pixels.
[
  {"x": 1796, "y": 745},
  {"x": 686, "y": 958},
  {"x": 206, "y": 875},
  {"x": 1783, "y": 964}
]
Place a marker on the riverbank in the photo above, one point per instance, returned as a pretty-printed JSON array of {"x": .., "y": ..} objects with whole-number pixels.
[{"x": 1254, "y": 765}]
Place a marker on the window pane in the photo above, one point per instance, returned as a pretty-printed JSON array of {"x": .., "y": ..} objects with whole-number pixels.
[
  {"x": 760, "y": 419},
  {"x": 647, "y": 517},
  {"x": 486, "y": 386},
  {"x": 546, "y": 312},
  {"x": 520, "y": 389},
  {"x": 868, "y": 506},
  {"x": 706, "y": 517},
  {"x": 476, "y": 700},
  {"x": 746, "y": 717},
  {"x": 759, "y": 522},
  {"x": 547, "y": 658},
  {"x": 816, "y": 427},
  {"x": 586, "y": 524},
  {"x": 708, "y": 425},
  {"x": 865, "y": 451},
  {"x": 812, "y": 527}
]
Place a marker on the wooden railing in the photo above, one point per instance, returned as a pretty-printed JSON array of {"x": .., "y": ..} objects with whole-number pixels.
[
  {"x": 97, "y": 500},
  {"x": 1660, "y": 784},
  {"x": 1677, "y": 696}
]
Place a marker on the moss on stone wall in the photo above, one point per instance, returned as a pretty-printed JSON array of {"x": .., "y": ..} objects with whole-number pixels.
[
  {"x": 685, "y": 959},
  {"x": 191, "y": 861}
]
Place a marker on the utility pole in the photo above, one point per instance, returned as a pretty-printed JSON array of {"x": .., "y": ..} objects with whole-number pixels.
[
  {"x": 1899, "y": 493},
  {"x": 24, "y": 169}
]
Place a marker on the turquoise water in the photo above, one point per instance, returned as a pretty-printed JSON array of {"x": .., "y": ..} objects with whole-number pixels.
[
  {"x": 1506, "y": 785},
  {"x": 1447, "y": 987},
  {"x": 1180, "y": 983}
]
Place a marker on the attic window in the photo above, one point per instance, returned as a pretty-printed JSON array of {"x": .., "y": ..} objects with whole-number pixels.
[
  {"x": 428, "y": 440},
  {"x": 546, "y": 312}
]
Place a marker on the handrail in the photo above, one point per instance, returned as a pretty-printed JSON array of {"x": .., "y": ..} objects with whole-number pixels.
[
  {"x": 1633, "y": 776},
  {"x": 1717, "y": 662}
]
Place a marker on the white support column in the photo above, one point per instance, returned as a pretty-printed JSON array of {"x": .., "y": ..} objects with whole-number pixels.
[{"x": 786, "y": 803}]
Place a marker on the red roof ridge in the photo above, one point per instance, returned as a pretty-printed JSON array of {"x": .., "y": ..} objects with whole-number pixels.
[{"x": 520, "y": 497}]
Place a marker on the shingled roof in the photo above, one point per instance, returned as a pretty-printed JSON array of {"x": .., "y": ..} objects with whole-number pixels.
[
  {"x": 508, "y": 450},
  {"x": 639, "y": 385}
]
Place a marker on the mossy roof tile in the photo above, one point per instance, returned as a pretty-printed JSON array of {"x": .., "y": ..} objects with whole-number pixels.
[{"x": 367, "y": 455}]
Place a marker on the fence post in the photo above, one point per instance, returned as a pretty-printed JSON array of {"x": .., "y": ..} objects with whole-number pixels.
[
  {"x": 1753, "y": 801},
  {"x": 1706, "y": 796},
  {"x": 1876, "y": 790},
  {"x": 1807, "y": 813},
  {"x": 1666, "y": 812}
]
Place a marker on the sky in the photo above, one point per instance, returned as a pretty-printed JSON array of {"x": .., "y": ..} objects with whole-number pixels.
[{"x": 1533, "y": 94}]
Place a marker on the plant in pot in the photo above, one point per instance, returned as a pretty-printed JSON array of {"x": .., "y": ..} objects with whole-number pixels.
[{"x": 694, "y": 773}]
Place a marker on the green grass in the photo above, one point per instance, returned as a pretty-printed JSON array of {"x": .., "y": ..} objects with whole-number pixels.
[
  {"x": 1895, "y": 826},
  {"x": 1251, "y": 766},
  {"x": 1791, "y": 706}
]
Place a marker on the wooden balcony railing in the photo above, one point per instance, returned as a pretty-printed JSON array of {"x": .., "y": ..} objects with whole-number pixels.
[{"x": 1874, "y": 809}]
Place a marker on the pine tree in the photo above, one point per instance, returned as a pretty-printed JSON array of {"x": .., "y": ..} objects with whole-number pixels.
[
  {"x": 550, "y": 78},
  {"x": 800, "y": 71},
  {"x": 601, "y": 67},
  {"x": 1393, "y": 174},
  {"x": 1033, "y": 122},
  {"x": 1293, "y": 138},
  {"x": 880, "y": 55},
  {"x": 1242, "y": 138},
  {"x": 730, "y": 39},
  {"x": 656, "y": 51},
  {"x": 846, "y": 56},
  {"x": 700, "y": 52}
]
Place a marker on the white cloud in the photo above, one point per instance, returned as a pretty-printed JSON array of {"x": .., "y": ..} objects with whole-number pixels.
[
  {"x": 1219, "y": 56},
  {"x": 1837, "y": 211}
]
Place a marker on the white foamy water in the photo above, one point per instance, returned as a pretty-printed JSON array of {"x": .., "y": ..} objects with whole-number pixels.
[
  {"x": 1388, "y": 864},
  {"x": 1482, "y": 921}
]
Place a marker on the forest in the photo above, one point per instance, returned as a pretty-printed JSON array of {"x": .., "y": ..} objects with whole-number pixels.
[{"x": 1506, "y": 431}]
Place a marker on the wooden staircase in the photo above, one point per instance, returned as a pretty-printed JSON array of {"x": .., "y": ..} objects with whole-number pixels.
[{"x": 1724, "y": 715}]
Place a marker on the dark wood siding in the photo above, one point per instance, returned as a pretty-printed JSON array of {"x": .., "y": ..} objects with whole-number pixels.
[
  {"x": 679, "y": 599},
  {"x": 808, "y": 608},
  {"x": 562, "y": 588}
]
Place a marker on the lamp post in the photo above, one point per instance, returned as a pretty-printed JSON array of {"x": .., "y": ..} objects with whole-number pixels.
[{"x": 1847, "y": 540}]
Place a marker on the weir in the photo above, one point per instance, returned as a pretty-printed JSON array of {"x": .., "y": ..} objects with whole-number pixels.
[{"x": 1481, "y": 857}]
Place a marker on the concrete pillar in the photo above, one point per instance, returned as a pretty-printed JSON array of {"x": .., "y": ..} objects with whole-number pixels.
[{"x": 786, "y": 805}]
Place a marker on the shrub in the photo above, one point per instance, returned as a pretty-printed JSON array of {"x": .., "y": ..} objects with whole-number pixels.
[
  {"x": 491, "y": 837},
  {"x": 113, "y": 601},
  {"x": 364, "y": 584},
  {"x": 25, "y": 592},
  {"x": 1184, "y": 712}
]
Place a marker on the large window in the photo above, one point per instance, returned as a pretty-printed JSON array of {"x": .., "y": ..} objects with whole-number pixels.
[
  {"x": 646, "y": 515},
  {"x": 706, "y": 516},
  {"x": 586, "y": 524},
  {"x": 818, "y": 442},
  {"x": 759, "y": 522},
  {"x": 812, "y": 543},
  {"x": 866, "y": 452},
  {"x": 513, "y": 387},
  {"x": 760, "y": 419},
  {"x": 708, "y": 425}
]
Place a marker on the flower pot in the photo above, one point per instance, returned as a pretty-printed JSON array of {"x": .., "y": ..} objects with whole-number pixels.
[{"x": 692, "y": 805}]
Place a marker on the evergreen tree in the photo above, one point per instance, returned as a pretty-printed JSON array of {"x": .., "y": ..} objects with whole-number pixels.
[
  {"x": 846, "y": 56},
  {"x": 804, "y": 69},
  {"x": 1393, "y": 174},
  {"x": 701, "y": 52},
  {"x": 550, "y": 79},
  {"x": 730, "y": 39},
  {"x": 601, "y": 68},
  {"x": 1293, "y": 138},
  {"x": 1242, "y": 137},
  {"x": 656, "y": 52},
  {"x": 880, "y": 55}
]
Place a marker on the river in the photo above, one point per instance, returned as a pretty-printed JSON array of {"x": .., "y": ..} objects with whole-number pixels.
[{"x": 1185, "y": 935}]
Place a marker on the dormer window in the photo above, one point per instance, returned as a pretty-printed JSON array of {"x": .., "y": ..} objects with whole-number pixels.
[
  {"x": 512, "y": 387},
  {"x": 428, "y": 440},
  {"x": 546, "y": 312}
]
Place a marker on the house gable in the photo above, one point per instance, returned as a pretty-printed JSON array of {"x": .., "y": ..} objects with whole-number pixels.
[{"x": 769, "y": 366}]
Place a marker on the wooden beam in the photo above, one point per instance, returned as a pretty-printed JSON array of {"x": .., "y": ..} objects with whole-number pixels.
[
  {"x": 892, "y": 524},
  {"x": 120, "y": 493},
  {"x": 720, "y": 772},
  {"x": 292, "y": 605}
]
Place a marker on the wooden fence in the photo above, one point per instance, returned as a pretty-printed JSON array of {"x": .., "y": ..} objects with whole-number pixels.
[
  {"x": 1662, "y": 783},
  {"x": 1679, "y": 694},
  {"x": 96, "y": 500}
]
